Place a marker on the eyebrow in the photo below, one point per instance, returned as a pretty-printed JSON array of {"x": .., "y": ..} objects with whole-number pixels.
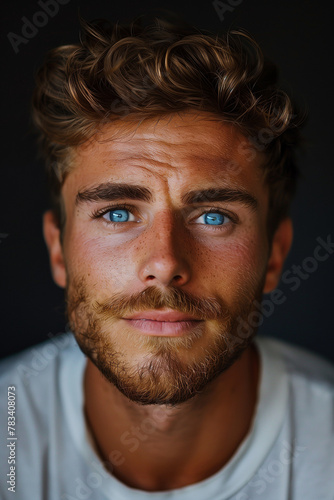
[
  {"x": 114, "y": 191},
  {"x": 109, "y": 191},
  {"x": 220, "y": 194}
]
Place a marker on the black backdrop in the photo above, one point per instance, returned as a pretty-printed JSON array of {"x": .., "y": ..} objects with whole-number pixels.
[{"x": 296, "y": 34}]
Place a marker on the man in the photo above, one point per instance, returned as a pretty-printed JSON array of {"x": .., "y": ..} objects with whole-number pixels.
[{"x": 171, "y": 161}]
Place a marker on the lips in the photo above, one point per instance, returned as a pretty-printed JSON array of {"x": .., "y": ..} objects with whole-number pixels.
[
  {"x": 170, "y": 315},
  {"x": 170, "y": 323}
]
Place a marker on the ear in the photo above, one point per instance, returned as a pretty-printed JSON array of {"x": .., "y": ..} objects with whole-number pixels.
[
  {"x": 281, "y": 244},
  {"x": 51, "y": 233}
]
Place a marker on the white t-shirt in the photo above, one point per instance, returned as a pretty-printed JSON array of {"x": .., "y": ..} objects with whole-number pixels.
[{"x": 287, "y": 455}]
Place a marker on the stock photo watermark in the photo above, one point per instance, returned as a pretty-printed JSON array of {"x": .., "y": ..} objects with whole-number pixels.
[
  {"x": 11, "y": 438},
  {"x": 83, "y": 488},
  {"x": 3, "y": 236},
  {"x": 225, "y": 7},
  {"x": 293, "y": 277},
  {"x": 32, "y": 24},
  {"x": 273, "y": 469},
  {"x": 40, "y": 358}
]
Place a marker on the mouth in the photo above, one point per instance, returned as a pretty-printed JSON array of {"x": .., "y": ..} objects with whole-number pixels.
[{"x": 169, "y": 323}]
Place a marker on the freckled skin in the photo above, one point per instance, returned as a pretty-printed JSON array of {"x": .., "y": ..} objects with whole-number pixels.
[
  {"x": 169, "y": 245},
  {"x": 170, "y": 169}
]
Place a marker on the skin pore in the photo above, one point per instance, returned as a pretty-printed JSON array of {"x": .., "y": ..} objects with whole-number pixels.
[{"x": 166, "y": 411}]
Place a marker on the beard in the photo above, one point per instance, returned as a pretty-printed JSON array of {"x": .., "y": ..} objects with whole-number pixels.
[{"x": 158, "y": 369}]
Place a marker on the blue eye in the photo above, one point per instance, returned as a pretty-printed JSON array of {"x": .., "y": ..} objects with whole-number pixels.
[
  {"x": 214, "y": 218},
  {"x": 119, "y": 215}
]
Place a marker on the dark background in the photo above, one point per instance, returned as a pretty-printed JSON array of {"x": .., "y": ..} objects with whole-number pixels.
[{"x": 297, "y": 35}]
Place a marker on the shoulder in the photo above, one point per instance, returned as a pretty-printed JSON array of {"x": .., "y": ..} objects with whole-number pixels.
[
  {"x": 310, "y": 386},
  {"x": 35, "y": 370},
  {"x": 299, "y": 363},
  {"x": 307, "y": 430},
  {"x": 38, "y": 379}
]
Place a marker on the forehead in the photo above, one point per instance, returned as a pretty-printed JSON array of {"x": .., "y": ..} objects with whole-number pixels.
[{"x": 196, "y": 145}]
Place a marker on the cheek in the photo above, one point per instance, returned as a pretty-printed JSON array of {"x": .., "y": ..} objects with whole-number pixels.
[
  {"x": 232, "y": 263},
  {"x": 103, "y": 263}
]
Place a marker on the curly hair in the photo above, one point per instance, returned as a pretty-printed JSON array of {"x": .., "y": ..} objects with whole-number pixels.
[{"x": 135, "y": 72}]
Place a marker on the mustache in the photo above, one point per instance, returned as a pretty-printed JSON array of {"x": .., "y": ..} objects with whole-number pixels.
[{"x": 153, "y": 298}]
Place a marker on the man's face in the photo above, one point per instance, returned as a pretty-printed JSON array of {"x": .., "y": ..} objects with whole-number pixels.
[{"x": 168, "y": 215}]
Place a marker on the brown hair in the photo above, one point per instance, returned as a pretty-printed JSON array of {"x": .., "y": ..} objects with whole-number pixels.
[{"x": 119, "y": 71}]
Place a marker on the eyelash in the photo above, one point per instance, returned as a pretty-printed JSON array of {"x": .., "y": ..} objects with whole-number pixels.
[{"x": 100, "y": 213}]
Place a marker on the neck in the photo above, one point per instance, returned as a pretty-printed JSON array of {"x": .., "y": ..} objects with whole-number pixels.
[{"x": 156, "y": 447}]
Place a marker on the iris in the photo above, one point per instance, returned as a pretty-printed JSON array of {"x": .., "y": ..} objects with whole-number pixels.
[
  {"x": 119, "y": 215},
  {"x": 213, "y": 218}
]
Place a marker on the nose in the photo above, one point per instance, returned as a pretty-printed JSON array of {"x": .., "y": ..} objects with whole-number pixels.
[{"x": 165, "y": 253}]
